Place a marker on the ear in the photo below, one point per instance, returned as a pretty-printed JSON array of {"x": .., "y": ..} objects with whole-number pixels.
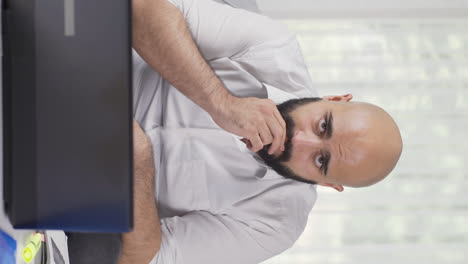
[
  {"x": 339, "y": 98},
  {"x": 334, "y": 186}
]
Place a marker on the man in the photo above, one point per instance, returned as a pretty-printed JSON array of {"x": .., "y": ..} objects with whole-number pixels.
[{"x": 216, "y": 202}]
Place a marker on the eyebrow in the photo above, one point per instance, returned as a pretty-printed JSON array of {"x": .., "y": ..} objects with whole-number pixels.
[
  {"x": 329, "y": 131},
  {"x": 326, "y": 162},
  {"x": 329, "y": 134}
]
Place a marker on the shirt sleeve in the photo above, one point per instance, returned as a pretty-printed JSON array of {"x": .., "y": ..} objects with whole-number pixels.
[
  {"x": 280, "y": 65},
  {"x": 263, "y": 47},
  {"x": 250, "y": 5},
  {"x": 221, "y": 30},
  {"x": 200, "y": 237}
]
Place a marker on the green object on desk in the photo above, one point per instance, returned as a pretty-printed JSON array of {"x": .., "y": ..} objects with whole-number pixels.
[{"x": 33, "y": 246}]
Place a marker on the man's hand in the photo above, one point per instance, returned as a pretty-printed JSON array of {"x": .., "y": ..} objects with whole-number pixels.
[
  {"x": 257, "y": 120},
  {"x": 162, "y": 38}
]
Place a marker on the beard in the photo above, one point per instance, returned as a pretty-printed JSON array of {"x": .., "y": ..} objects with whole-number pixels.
[{"x": 276, "y": 162}]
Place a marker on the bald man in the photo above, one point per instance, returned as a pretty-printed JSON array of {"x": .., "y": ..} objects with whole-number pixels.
[
  {"x": 213, "y": 188},
  {"x": 334, "y": 142}
]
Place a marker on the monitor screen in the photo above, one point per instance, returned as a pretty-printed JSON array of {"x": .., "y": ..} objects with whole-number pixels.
[{"x": 67, "y": 114}]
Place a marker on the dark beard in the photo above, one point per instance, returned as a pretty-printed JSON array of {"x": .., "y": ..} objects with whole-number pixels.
[{"x": 275, "y": 162}]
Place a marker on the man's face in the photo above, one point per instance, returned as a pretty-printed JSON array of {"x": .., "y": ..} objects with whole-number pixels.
[{"x": 334, "y": 142}]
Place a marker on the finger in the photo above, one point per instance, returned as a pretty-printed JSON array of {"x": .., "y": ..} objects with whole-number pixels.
[
  {"x": 282, "y": 123},
  {"x": 277, "y": 131},
  {"x": 256, "y": 143},
  {"x": 265, "y": 134},
  {"x": 247, "y": 143}
]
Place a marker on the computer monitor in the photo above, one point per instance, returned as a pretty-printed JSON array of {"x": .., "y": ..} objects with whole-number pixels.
[{"x": 67, "y": 111}]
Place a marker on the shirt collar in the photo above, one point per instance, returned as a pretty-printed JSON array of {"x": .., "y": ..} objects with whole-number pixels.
[
  {"x": 278, "y": 96},
  {"x": 243, "y": 148},
  {"x": 269, "y": 172}
]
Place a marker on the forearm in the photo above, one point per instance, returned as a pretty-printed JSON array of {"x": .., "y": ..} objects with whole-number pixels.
[
  {"x": 141, "y": 245},
  {"x": 161, "y": 37}
]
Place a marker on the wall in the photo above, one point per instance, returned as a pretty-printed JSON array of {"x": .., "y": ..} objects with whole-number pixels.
[
  {"x": 417, "y": 69},
  {"x": 363, "y": 8}
]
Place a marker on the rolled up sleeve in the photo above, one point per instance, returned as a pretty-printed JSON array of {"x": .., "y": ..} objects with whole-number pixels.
[
  {"x": 220, "y": 30},
  {"x": 200, "y": 237}
]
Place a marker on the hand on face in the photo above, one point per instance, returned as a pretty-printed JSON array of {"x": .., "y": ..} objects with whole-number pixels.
[{"x": 257, "y": 120}]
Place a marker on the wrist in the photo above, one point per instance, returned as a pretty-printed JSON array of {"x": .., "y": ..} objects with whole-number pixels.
[{"x": 218, "y": 100}]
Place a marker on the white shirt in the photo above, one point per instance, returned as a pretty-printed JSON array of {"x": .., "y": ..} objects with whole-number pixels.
[{"x": 217, "y": 204}]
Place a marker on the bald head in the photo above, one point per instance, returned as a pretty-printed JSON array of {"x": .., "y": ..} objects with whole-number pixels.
[
  {"x": 336, "y": 143},
  {"x": 376, "y": 142}
]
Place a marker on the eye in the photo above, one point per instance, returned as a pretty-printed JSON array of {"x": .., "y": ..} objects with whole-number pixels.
[
  {"x": 323, "y": 126},
  {"x": 319, "y": 160}
]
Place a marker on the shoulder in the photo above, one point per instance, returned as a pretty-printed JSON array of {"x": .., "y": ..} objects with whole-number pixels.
[
  {"x": 279, "y": 63},
  {"x": 282, "y": 219},
  {"x": 273, "y": 41},
  {"x": 297, "y": 202}
]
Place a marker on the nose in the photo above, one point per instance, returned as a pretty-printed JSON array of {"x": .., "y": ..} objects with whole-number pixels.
[{"x": 305, "y": 140}]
